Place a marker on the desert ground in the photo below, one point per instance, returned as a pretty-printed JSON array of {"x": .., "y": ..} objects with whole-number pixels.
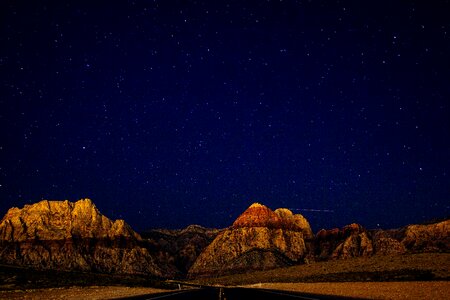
[
  {"x": 94, "y": 292},
  {"x": 411, "y": 267},
  {"x": 438, "y": 290},
  {"x": 370, "y": 290}
]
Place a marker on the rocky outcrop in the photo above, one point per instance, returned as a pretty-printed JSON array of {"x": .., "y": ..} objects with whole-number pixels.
[
  {"x": 72, "y": 236},
  {"x": 427, "y": 237},
  {"x": 175, "y": 251},
  {"x": 350, "y": 241},
  {"x": 259, "y": 239},
  {"x": 355, "y": 241}
]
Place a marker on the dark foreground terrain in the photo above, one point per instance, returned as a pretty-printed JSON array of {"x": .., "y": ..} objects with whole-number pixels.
[
  {"x": 411, "y": 267},
  {"x": 221, "y": 293},
  {"x": 351, "y": 290},
  {"x": 17, "y": 278}
]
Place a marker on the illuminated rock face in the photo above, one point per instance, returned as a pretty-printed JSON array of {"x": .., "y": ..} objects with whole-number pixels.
[
  {"x": 71, "y": 236},
  {"x": 258, "y": 215},
  {"x": 259, "y": 239}
]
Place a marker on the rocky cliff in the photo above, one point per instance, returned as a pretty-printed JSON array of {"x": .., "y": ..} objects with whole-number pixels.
[
  {"x": 71, "y": 236},
  {"x": 259, "y": 239},
  {"x": 355, "y": 241}
]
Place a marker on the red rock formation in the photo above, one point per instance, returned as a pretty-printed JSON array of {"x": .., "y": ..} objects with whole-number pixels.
[
  {"x": 259, "y": 239},
  {"x": 350, "y": 241},
  {"x": 354, "y": 241},
  {"x": 258, "y": 215},
  {"x": 71, "y": 236}
]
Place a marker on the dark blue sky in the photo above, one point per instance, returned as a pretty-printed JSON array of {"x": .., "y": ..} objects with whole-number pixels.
[{"x": 168, "y": 113}]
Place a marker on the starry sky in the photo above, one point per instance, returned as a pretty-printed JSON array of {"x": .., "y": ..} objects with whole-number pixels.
[{"x": 170, "y": 113}]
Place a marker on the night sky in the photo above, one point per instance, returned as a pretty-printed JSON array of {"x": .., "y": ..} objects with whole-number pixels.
[{"x": 170, "y": 113}]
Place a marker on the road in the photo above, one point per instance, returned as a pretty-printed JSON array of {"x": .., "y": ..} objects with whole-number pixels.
[{"x": 213, "y": 293}]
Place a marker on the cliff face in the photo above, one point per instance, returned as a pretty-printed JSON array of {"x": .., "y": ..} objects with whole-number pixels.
[
  {"x": 259, "y": 239},
  {"x": 355, "y": 241},
  {"x": 71, "y": 236}
]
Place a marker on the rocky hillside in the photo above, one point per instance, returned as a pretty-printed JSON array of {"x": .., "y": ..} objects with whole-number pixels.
[
  {"x": 355, "y": 241},
  {"x": 72, "y": 236},
  {"x": 176, "y": 250},
  {"x": 259, "y": 239}
]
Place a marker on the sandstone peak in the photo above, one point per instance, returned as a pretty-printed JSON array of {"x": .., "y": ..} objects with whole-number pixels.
[
  {"x": 259, "y": 215},
  {"x": 257, "y": 205}
]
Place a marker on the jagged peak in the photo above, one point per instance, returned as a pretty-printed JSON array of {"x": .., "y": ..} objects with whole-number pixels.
[{"x": 257, "y": 205}]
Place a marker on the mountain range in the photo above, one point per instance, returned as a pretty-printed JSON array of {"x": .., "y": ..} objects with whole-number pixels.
[{"x": 75, "y": 236}]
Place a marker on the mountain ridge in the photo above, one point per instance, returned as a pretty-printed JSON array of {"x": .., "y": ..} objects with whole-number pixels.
[{"x": 76, "y": 236}]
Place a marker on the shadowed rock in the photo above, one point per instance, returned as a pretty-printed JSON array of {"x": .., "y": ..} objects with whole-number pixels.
[{"x": 175, "y": 251}]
